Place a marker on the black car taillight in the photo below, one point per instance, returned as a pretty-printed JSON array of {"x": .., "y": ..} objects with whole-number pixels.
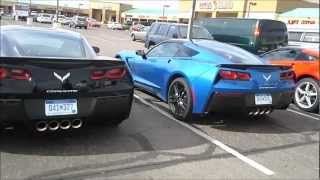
[
  {"x": 112, "y": 74},
  {"x": 289, "y": 75},
  {"x": 3, "y": 73},
  {"x": 15, "y": 74},
  {"x": 20, "y": 74},
  {"x": 234, "y": 75}
]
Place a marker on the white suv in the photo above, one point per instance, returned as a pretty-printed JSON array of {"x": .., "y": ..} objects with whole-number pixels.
[
  {"x": 304, "y": 38},
  {"x": 44, "y": 18}
]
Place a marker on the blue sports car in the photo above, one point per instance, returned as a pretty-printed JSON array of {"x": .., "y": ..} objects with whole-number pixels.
[{"x": 200, "y": 76}]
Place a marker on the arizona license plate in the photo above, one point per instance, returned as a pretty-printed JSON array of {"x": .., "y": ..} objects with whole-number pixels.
[
  {"x": 263, "y": 99},
  {"x": 61, "y": 107}
]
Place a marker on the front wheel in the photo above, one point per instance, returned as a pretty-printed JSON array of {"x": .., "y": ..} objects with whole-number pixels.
[
  {"x": 180, "y": 99},
  {"x": 307, "y": 95}
]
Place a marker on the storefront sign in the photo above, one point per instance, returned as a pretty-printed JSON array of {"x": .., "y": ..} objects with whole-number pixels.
[
  {"x": 224, "y": 4},
  {"x": 297, "y": 21},
  {"x": 205, "y": 4}
]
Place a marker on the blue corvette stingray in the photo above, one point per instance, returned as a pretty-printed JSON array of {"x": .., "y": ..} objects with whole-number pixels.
[{"x": 200, "y": 76}]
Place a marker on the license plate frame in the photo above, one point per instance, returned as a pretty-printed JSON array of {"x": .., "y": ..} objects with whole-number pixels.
[
  {"x": 61, "y": 107},
  {"x": 263, "y": 99}
]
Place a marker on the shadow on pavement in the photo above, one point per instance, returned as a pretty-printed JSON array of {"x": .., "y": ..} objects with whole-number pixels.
[{"x": 278, "y": 122}]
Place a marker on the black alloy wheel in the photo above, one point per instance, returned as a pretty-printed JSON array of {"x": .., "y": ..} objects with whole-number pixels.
[{"x": 180, "y": 99}]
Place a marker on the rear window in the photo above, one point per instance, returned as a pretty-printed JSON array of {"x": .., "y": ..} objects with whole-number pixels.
[
  {"x": 40, "y": 44},
  {"x": 272, "y": 26}
]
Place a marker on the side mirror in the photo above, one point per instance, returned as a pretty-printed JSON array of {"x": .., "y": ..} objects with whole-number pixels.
[
  {"x": 96, "y": 49},
  {"x": 175, "y": 36},
  {"x": 141, "y": 53}
]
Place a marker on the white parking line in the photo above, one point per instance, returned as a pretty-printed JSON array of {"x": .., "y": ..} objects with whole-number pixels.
[
  {"x": 243, "y": 158},
  {"x": 303, "y": 114}
]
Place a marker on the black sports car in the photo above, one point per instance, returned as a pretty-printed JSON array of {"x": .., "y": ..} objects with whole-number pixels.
[{"x": 52, "y": 79}]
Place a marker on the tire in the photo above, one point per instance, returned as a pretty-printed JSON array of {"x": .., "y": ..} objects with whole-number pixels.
[
  {"x": 180, "y": 99},
  {"x": 307, "y": 95},
  {"x": 133, "y": 37},
  {"x": 85, "y": 27}
]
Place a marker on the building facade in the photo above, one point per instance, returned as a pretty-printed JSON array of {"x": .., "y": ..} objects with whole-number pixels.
[
  {"x": 101, "y": 10},
  {"x": 268, "y": 9}
]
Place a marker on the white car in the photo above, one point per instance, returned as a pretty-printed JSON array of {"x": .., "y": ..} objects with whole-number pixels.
[
  {"x": 114, "y": 25},
  {"x": 44, "y": 18},
  {"x": 61, "y": 18},
  {"x": 304, "y": 38}
]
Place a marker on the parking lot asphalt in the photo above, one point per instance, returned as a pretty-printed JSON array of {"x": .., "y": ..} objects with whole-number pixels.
[{"x": 153, "y": 145}]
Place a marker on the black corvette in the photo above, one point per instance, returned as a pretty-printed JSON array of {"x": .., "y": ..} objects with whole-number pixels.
[{"x": 52, "y": 79}]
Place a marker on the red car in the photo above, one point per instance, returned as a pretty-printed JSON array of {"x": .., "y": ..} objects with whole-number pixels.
[
  {"x": 305, "y": 63},
  {"x": 93, "y": 22}
]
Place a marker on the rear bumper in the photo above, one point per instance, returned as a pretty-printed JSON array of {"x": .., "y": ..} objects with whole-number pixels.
[
  {"x": 242, "y": 102},
  {"x": 30, "y": 110}
]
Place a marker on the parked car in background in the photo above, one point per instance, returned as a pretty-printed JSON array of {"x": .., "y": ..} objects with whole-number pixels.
[
  {"x": 139, "y": 34},
  {"x": 305, "y": 38},
  {"x": 305, "y": 63},
  {"x": 34, "y": 15},
  {"x": 136, "y": 27},
  {"x": 202, "y": 76},
  {"x": 93, "y": 22},
  {"x": 60, "y": 18},
  {"x": 79, "y": 22},
  {"x": 66, "y": 21},
  {"x": 53, "y": 80},
  {"x": 161, "y": 31},
  {"x": 44, "y": 18},
  {"x": 254, "y": 35},
  {"x": 114, "y": 26}
]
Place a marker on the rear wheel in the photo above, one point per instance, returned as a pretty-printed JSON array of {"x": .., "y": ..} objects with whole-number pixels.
[
  {"x": 133, "y": 37},
  {"x": 307, "y": 95},
  {"x": 180, "y": 99}
]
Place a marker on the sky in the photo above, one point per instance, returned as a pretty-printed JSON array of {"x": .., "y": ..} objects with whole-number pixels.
[{"x": 136, "y": 3}]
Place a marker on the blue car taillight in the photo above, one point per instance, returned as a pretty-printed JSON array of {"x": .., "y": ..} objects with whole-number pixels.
[
  {"x": 234, "y": 75},
  {"x": 289, "y": 75}
]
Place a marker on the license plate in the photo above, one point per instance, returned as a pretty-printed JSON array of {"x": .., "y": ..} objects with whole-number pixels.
[
  {"x": 61, "y": 107},
  {"x": 263, "y": 99}
]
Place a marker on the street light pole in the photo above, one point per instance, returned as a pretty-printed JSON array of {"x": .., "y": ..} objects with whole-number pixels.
[
  {"x": 190, "y": 25},
  {"x": 29, "y": 8},
  {"x": 57, "y": 10},
  {"x": 163, "y": 8}
]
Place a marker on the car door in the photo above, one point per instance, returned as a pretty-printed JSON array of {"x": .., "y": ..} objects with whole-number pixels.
[{"x": 149, "y": 72}]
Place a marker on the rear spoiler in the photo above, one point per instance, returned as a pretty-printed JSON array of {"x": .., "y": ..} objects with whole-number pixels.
[{"x": 246, "y": 66}]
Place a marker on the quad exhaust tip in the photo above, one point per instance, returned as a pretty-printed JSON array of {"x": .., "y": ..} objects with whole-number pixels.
[
  {"x": 76, "y": 123},
  {"x": 54, "y": 125},
  {"x": 65, "y": 124},
  {"x": 41, "y": 126},
  {"x": 259, "y": 111}
]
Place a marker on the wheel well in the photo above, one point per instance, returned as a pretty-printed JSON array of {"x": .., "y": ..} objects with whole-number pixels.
[
  {"x": 172, "y": 78},
  {"x": 305, "y": 76}
]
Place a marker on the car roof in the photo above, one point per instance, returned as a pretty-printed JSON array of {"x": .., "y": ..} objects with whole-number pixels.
[{"x": 59, "y": 31}]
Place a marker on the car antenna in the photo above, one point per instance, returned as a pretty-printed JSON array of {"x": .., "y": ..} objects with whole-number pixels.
[{"x": 190, "y": 25}]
